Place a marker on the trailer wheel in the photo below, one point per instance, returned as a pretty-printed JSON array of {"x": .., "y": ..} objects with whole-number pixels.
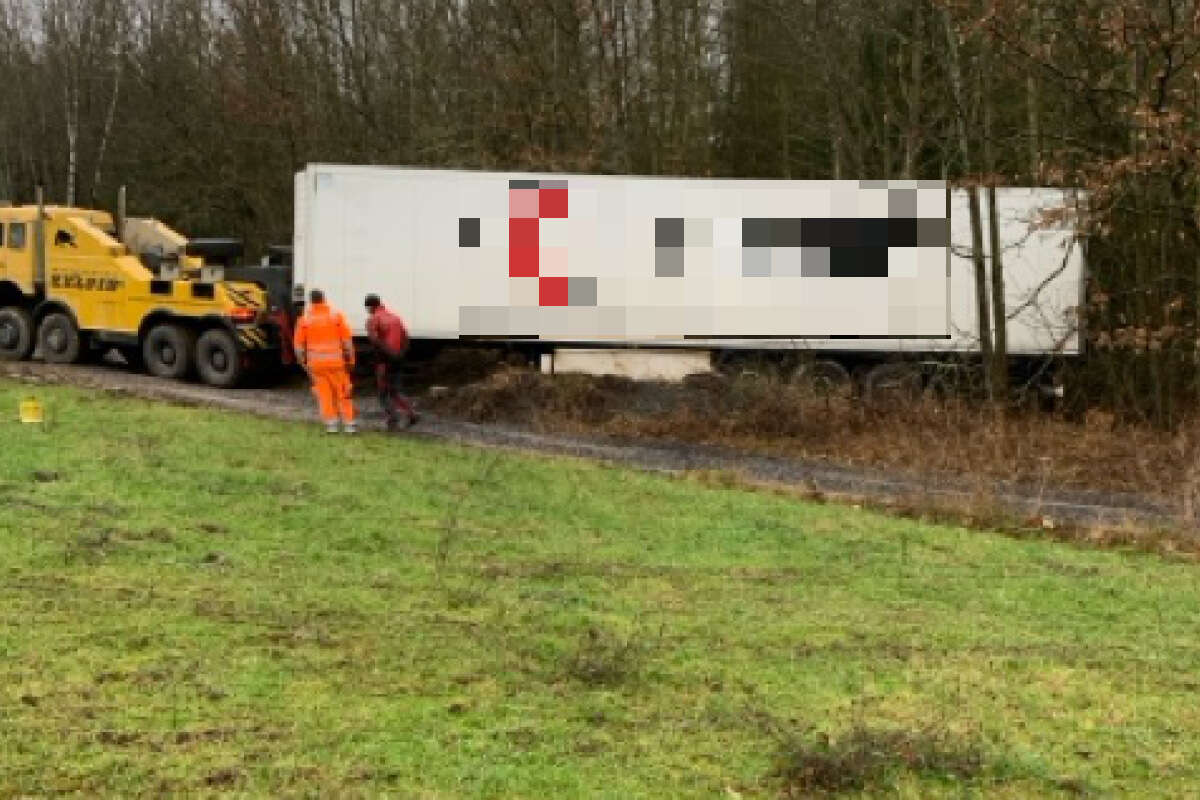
[
  {"x": 950, "y": 379},
  {"x": 59, "y": 339},
  {"x": 16, "y": 334},
  {"x": 217, "y": 358},
  {"x": 167, "y": 351},
  {"x": 825, "y": 376},
  {"x": 892, "y": 384}
]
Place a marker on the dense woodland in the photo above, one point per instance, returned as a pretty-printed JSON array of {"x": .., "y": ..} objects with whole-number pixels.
[{"x": 204, "y": 108}]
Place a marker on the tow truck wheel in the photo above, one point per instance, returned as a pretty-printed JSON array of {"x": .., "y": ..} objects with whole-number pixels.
[
  {"x": 217, "y": 358},
  {"x": 16, "y": 334},
  {"x": 167, "y": 351},
  {"x": 59, "y": 339}
]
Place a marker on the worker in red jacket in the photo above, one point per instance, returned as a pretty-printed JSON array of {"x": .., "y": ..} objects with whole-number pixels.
[
  {"x": 389, "y": 338},
  {"x": 326, "y": 351}
]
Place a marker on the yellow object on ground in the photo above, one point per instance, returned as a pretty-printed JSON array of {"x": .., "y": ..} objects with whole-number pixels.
[{"x": 31, "y": 411}]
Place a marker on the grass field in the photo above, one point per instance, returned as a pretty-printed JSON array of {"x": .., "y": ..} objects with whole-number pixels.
[{"x": 197, "y": 602}]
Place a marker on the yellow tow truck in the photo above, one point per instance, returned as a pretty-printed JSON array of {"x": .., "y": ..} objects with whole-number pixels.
[{"x": 75, "y": 282}]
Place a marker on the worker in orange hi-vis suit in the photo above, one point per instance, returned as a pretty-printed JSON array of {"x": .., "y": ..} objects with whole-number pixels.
[{"x": 326, "y": 351}]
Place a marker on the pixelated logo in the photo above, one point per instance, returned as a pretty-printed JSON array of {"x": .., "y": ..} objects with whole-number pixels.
[
  {"x": 899, "y": 237},
  {"x": 529, "y": 203}
]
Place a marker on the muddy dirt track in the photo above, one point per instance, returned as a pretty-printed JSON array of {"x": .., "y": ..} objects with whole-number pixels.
[{"x": 292, "y": 401}]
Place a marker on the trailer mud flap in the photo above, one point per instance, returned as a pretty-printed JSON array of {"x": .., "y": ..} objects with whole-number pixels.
[{"x": 283, "y": 326}]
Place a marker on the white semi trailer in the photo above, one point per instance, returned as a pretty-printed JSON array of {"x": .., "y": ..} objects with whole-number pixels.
[{"x": 851, "y": 270}]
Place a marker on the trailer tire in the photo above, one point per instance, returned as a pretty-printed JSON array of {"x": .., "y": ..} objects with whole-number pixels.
[
  {"x": 217, "y": 359},
  {"x": 892, "y": 384},
  {"x": 949, "y": 380},
  {"x": 16, "y": 334},
  {"x": 167, "y": 351},
  {"x": 59, "y": 339},
  {"x": 825, "y": 376}
]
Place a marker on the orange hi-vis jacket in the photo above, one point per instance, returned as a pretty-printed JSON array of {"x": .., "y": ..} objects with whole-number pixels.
[{"x": 323, "y": 339}]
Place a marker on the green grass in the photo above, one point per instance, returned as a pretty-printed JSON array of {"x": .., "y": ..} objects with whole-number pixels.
[{"x": 193, "y": 601}]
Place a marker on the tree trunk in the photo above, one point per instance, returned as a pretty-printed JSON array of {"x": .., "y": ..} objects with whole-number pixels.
[
  {"x": 107, "y": 130},
  {"x": 956, "y": 89},
  {"x": 1033, "y": 104},
  {"x": 916, "y": 56},
  {"x": 72, "y": 110},
  {"x": 981, "y": 290},
  {"x": 977, "y": 256},
  {"x": 999, "y": 314},
  {"x": 998, "y": 368},
  {"x": 785, "y": 107}
]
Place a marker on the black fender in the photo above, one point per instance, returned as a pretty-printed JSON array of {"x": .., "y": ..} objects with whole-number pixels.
[
  {"x": 11, "y": 295},
  {"x": 47, "y": 307},
  {"x": 160, "y": 315}
]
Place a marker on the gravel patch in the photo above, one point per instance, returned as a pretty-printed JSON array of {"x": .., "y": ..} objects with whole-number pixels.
[{"x": 292, "y": 401}]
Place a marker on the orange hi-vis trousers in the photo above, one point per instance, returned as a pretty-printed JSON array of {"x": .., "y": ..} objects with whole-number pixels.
[
  {"x": 322, "y": 339},
  {"x": 331, "y": 385}
]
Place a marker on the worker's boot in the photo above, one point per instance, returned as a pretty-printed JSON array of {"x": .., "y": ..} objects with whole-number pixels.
[
  {"x": 350, "y": 427},
  {"x": 331, "y": 427}
]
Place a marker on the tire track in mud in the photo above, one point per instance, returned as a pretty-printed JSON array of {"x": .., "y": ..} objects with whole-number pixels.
[{"x": 292, "y": 402}]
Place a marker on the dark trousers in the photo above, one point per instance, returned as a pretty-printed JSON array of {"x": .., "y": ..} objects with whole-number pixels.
[{"x": 387, "y": 383}]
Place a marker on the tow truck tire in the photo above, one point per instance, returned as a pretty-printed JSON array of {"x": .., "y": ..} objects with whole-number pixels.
[
  {"x": 167, "y": 351},
  {"x": 16, "y": 334},
  {"x": 217, "y": 358},
  {"x": 59, "y": 339}
]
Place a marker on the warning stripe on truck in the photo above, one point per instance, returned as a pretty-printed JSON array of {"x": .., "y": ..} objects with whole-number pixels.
[
  {"x": 252, "y": 338},
  {"x": 241, "y": 298}
]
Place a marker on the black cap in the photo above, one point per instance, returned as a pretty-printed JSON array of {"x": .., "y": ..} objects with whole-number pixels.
[
  {"x": 372, "y": 301},
  {"x": 316, "y": 296}
]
